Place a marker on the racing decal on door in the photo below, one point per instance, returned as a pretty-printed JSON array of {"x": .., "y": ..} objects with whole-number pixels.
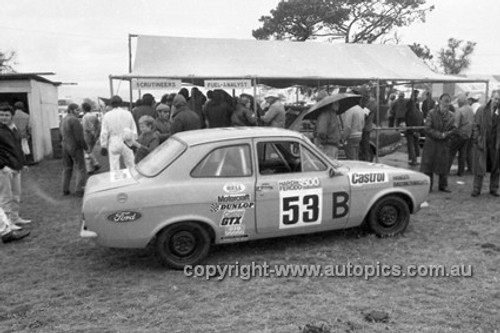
[
  {"x": 368, "y": 178},
  {"x": 300, "y": 203},
  {"x": 232, "y": 222},
  {"x": 233, "y": 188},
  {"x": 231, "y": 202}
]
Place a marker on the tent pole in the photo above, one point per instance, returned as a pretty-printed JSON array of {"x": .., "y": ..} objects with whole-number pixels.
[
  {"x": 377, "y": 120},
  {"x": 110, "y": 86},
  {"x": 130, "y": 94},
  {"x": 254, "y": 84}
]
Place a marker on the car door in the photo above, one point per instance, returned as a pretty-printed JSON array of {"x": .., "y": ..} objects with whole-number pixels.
[
  {"x": 296, "y": 189},
  {"x": 224, "y": 176}
]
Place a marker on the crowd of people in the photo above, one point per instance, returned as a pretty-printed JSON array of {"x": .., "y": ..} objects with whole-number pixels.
[{"x": 471, "y": 131}]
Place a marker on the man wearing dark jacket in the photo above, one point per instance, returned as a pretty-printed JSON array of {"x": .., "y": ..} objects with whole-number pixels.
[
  {"x": 73, "y": 146},
  {"x": 183, "y": 119},
  {"x": 486, "y": 150},
  {"x": 11, "y": 164},
  {"x": 413, "y": 118},
  {"x": 145, "y": 109}
]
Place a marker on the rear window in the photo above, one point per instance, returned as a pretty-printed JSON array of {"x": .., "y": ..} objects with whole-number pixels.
[{"x": 161, "y": 157}]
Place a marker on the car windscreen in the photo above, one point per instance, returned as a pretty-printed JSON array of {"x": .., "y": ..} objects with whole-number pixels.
[{"x": 161, "y": 157}]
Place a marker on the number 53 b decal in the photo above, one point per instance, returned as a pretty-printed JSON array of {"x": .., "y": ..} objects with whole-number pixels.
[{"x": 300, "y": 208}]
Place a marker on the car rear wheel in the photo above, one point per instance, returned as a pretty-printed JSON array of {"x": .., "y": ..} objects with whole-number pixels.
[
  {"x": 389, "y": 216},
  {"x": 181, "y": 244}
]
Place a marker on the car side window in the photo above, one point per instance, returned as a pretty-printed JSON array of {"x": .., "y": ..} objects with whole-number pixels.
[
  {"x": 231, "y": 161},
  {"x": 286, "y": 157},
  {"x": 311, "y": 162},
  {"x": 278, "y": 157}
]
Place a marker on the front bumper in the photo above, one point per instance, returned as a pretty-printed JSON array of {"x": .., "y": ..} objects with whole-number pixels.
[{"x": 85, "y": 233}]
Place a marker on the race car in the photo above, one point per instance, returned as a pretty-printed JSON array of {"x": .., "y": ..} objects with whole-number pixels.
[{"x": 215, "y": 186}]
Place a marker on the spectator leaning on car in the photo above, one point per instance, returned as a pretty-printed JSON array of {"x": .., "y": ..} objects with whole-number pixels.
[
  {"x": 486, "y": 138},
  {"x": 352, "y": 121},
  {"x": 439, "y": 125}
]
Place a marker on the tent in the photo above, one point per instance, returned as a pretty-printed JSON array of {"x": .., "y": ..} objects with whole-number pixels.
[{"x": 277, "y": 63}]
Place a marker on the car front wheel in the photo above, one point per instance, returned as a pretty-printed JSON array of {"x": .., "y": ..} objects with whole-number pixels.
[
  {"x": 389, "y": 216},
  {"x": 181, "y": 244}
]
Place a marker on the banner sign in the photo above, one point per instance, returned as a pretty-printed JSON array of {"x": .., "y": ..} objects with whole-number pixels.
[
  {"x": 156, "y": 84},
  {"x": 228, "y": 84}
]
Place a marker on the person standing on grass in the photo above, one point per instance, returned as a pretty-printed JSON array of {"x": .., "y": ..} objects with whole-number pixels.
[
  {"x": 147, "y": 141},
  {"x": 464, "y": 119},
  {"x": 352, "y": 122},
  {"x": 115, "y": 123},
  {"x": 439, "y": 125},
  {"x": 328, "y": 134},
  {"x": 413, "y": 118},
  {"x": 73, "y": 147},
  {"x": 91, "y": 132},
  {"x": 275, "y": 115},
  {"x": 7, "y": 233},
  {"x": 184, "y": 118},
  {"x": 11, "y": 165},
  {"x": 486, "y": 139},
  {"x": 22, "y": 121}
]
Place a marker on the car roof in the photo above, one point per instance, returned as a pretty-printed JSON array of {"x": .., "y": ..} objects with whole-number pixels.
[{"x": 230, "y": 133}]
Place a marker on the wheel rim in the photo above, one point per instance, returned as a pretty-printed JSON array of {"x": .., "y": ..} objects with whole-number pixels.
[
  {"x": 183, "y": 243},
  {"x": 388, "y": 216}
]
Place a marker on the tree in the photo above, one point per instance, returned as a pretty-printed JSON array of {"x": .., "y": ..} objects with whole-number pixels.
[
  {"x": 456, "y": 58},
  {"x": 355, "y": 21},
  {"x": 6, "y": 61}
]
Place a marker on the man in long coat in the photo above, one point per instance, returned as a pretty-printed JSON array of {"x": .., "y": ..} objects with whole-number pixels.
[
  {"x": 486, "y": 140},
  {"x": 439, "y": 125}
]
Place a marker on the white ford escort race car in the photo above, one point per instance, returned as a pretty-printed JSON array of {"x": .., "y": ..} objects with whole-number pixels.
[{"x": 229, "y": 185}]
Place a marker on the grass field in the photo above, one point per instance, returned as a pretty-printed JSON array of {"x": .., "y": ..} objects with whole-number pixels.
[{"x": 53, "y": 281}]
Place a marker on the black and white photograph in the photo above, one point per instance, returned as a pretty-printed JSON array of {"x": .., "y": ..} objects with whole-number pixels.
[{"x": 309, "y": 166}]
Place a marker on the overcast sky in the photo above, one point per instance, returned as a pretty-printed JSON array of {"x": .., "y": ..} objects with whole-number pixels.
[{"x": 85, "y": 41}]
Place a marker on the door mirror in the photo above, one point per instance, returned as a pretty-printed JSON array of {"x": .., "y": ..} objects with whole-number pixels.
[{"x": 331, "y": 172}]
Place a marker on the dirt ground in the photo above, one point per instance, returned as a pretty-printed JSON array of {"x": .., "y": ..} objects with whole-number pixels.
[{"x": 54, "y": 281}]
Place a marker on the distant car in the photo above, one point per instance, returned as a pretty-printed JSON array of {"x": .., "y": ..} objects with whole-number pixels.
[
  {"x": 388, "y": 140},
  {"x": 216, "y": 186}
]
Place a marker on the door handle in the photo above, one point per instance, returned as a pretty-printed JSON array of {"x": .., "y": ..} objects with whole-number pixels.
[{"x": 264, "y": 186}]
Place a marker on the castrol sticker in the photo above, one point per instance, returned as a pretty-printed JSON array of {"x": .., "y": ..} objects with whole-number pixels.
[{"x": 368, "y": 178}]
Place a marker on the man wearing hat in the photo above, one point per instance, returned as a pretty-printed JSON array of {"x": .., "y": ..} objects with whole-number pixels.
[
  {"x": 275, "y": 115},
  {"x": 474, "y": 102},
  {"x": 115, "y": 124}
]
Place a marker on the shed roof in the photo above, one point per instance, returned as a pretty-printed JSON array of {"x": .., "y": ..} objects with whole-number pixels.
[{"x": 27, "y": 76}]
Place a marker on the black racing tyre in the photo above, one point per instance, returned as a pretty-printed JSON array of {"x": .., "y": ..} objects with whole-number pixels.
[
  {"x": 389, "y": 216},
  {"x": 185, "y": 243}
]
